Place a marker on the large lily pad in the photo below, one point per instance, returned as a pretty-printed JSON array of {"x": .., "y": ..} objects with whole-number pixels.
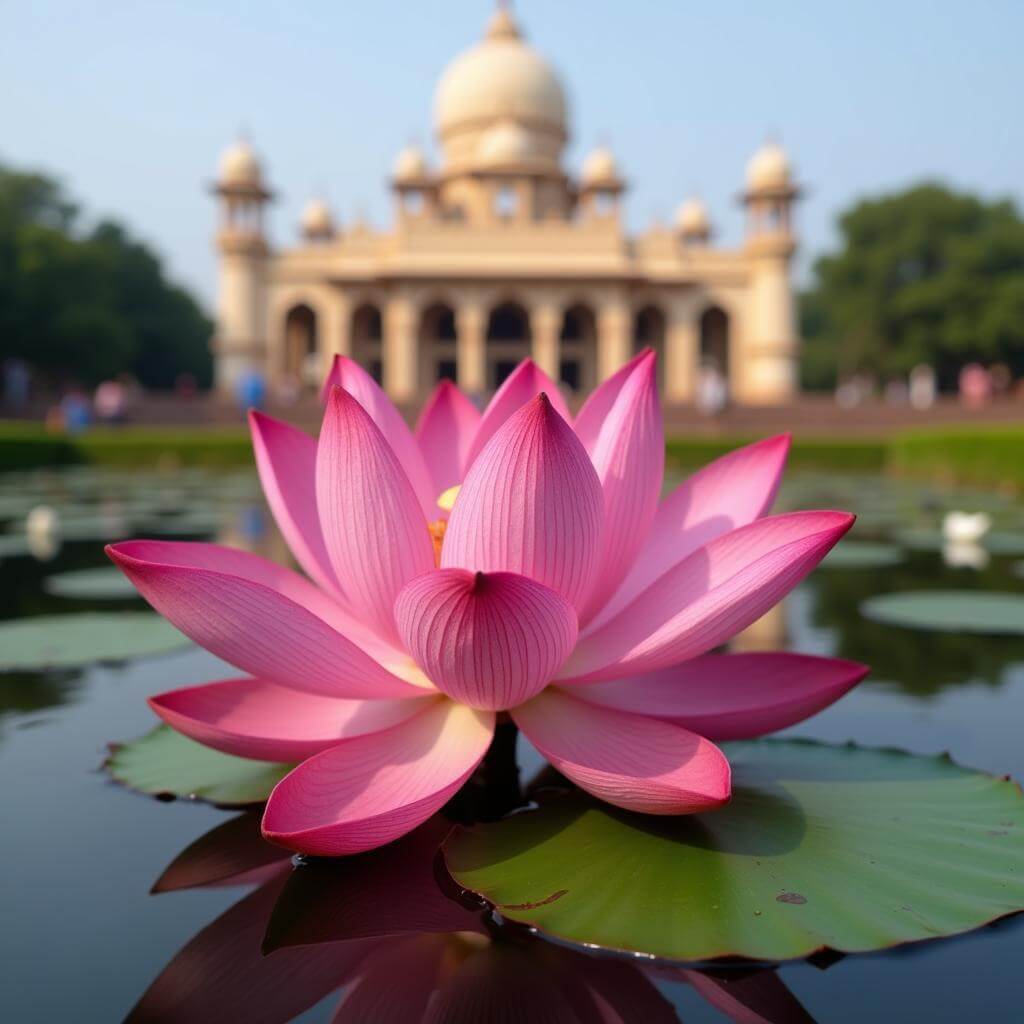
[
  {"x": 69, "y": 641},
  {"x": 821, "y": 847},
  {"x": 950, "y": 611},
  {"x": 166, "y": 764},
  {"x": 103, "y": 584},
  {"x": 997, "y": 542}
]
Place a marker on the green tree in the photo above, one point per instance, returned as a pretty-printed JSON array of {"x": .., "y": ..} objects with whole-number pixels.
[
  {"x": 924, "y": 275},
  {"x": 87, "y": 304}
]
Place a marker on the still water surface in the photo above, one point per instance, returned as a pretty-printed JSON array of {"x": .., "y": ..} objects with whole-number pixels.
[{"x": 84, "y": 938}]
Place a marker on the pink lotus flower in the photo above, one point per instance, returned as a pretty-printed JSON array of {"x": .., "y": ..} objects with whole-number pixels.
[{"x": 560, "y": 590}]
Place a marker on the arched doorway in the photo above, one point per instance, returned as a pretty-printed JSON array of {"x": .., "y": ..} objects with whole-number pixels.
[
  {"x": 301, "y": 366},
  {"x": 578, "y": 347},
  {"x": 714, "y": 342},
  {"x": 437, "y": 345},
  {"x": 508, "y": 341},
  {"x": 367, "y": 340},
  {"x": 649, "y": 332}
]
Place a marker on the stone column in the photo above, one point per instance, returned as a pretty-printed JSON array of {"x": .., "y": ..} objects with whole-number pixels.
[
  {"x": 682, "y": 352},
  {"x": 335, "y": 328},
  {"x": 400, "y": 350},
  {"x": 614, "y": 338},
  {"x": 545, "y": 327},
  {"x": 471, "y": 348}
]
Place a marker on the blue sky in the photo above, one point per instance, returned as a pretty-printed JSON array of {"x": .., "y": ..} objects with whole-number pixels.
[{"x": 130, "y": 103}]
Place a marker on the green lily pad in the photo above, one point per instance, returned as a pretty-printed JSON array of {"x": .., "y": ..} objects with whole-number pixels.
[
  {"x": 950, "y": 611},
  {"x": 822, "y": 847},
  {"x": 67, "y": 641},
  {"x": 997, "y": 542},
  {"x": 862, "y": 554},
  {"x": 104, "y": 584},
  {"x": 166, "y": 764}
]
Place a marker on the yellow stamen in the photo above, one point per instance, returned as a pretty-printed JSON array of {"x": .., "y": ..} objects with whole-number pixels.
[{"x": 437, "y": 528}]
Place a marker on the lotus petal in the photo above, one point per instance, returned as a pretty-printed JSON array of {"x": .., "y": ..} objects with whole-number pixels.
[
  {"x": 728, "y": 493},
  {"x": 286, "y": 461},
  {"x": 376, "y": 535},
  {"x": 490, "y": 640},
  {"x": 708, "y": 597},
  {"x": 370, "y": 790},
  {"x": 595, "y": 409},
  {"x": 446, "y": 428},
  {"x": 639, "y": 763},
  {"x": 732, "y": 696},
  {"x": 530, "y": 504},
  {"x": 258, "y": 719},
  {"x": 263, "y": 619},
  {"x": 347, "y": 374},
  {"x": 629, "y": 456},
  {"x": 522, "y": 385}
]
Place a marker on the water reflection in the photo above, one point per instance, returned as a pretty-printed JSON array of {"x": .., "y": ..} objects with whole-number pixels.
[{"x": 391, "y": 935}]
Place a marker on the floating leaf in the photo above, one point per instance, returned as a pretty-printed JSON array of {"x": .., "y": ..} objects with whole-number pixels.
[
  {"x": 105, "y": 584},
  {"x": 821, "y": 847},
  {"x": 862, "y": 554},
  {"x": 949, "y": 611},
  {"x": 998, "y": 542},
  {"x": 67, "y": 641},
  {"x": 165, "y": 763}
]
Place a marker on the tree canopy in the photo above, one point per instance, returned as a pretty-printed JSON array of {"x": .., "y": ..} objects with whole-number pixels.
[
  {"x": 923, "y": 275},
  {"x": 83, "y": 304}
]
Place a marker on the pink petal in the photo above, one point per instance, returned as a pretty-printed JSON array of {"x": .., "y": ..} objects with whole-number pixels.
[
  {"x": 595, "y": 409},
  {"x": 369, "y": 790},
  {"x": 708, "y": 597},
  {"x": 445, "y": 431},
  {"x": 491, "y": 640},
  {"x": 730, "y": 492},
  {"x": 286, "y": 460},
  {"x": 376, "y": 535},
  {"x": 232, "y": 853},
  {"x": 264, "y": 619},
  {"x": 525, "y": 383},
  {"x": 347, "y": 374},
  {"x": 630, "y": 761},
  {"x": 732, "y": 696},
  {"x": 530, "y": 504},
  {"x": 258, "y": 719},
  {"x": 221, "y": 974},
  {"x": 629, "y": 455}
]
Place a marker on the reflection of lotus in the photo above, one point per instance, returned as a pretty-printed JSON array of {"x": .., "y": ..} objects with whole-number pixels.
[
  {"x": 965, "y": 527},
  {"x": 965, "y": 554},
  {"x": 557, "y": 565},
  {"x": 404, "y": 951}
]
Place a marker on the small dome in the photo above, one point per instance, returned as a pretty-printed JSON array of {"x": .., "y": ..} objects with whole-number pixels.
[
  {"x": 317, "y": 220},
  {"x": 499, "y": 78},
  {"x": 410, "y": 164},
  {"x": 769, "y": 169},
  {"x": 507, "y": 144},
  {"x": 692, "y": 219},
  {"x": 239, "y": 166},
  {"x": 600, "y": 168}
]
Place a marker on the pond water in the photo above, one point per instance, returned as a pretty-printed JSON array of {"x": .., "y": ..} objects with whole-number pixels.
[{"x": 84, "y": 938}]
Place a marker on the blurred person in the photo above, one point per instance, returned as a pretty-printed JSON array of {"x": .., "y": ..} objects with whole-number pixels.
[
  {"x": 1002, "y": 379},
  {"x": 109, "y": 402},
  {"x": 712, "y": 391},
  {"x": 975, "y": 386},
  {"x": 923, "y": 386},
  {"x": 896, "y": 392},
  {"x": 17, "y": 383},
  {"x": 185, "y": 387},
  {"x": 76, "y": 414},
  {"x": 251, "y": 391}
]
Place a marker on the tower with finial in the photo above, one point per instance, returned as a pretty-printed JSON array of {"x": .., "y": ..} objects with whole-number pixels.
[
  {"x": 770, "y": 365},
  {"x": 240, "y": 344}
]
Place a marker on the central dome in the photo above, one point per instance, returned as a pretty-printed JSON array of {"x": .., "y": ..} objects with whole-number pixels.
[{"x": 500, "y": 80}]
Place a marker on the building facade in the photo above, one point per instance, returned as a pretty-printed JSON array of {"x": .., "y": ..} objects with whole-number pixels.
[{"x": 499, "y": 253}]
